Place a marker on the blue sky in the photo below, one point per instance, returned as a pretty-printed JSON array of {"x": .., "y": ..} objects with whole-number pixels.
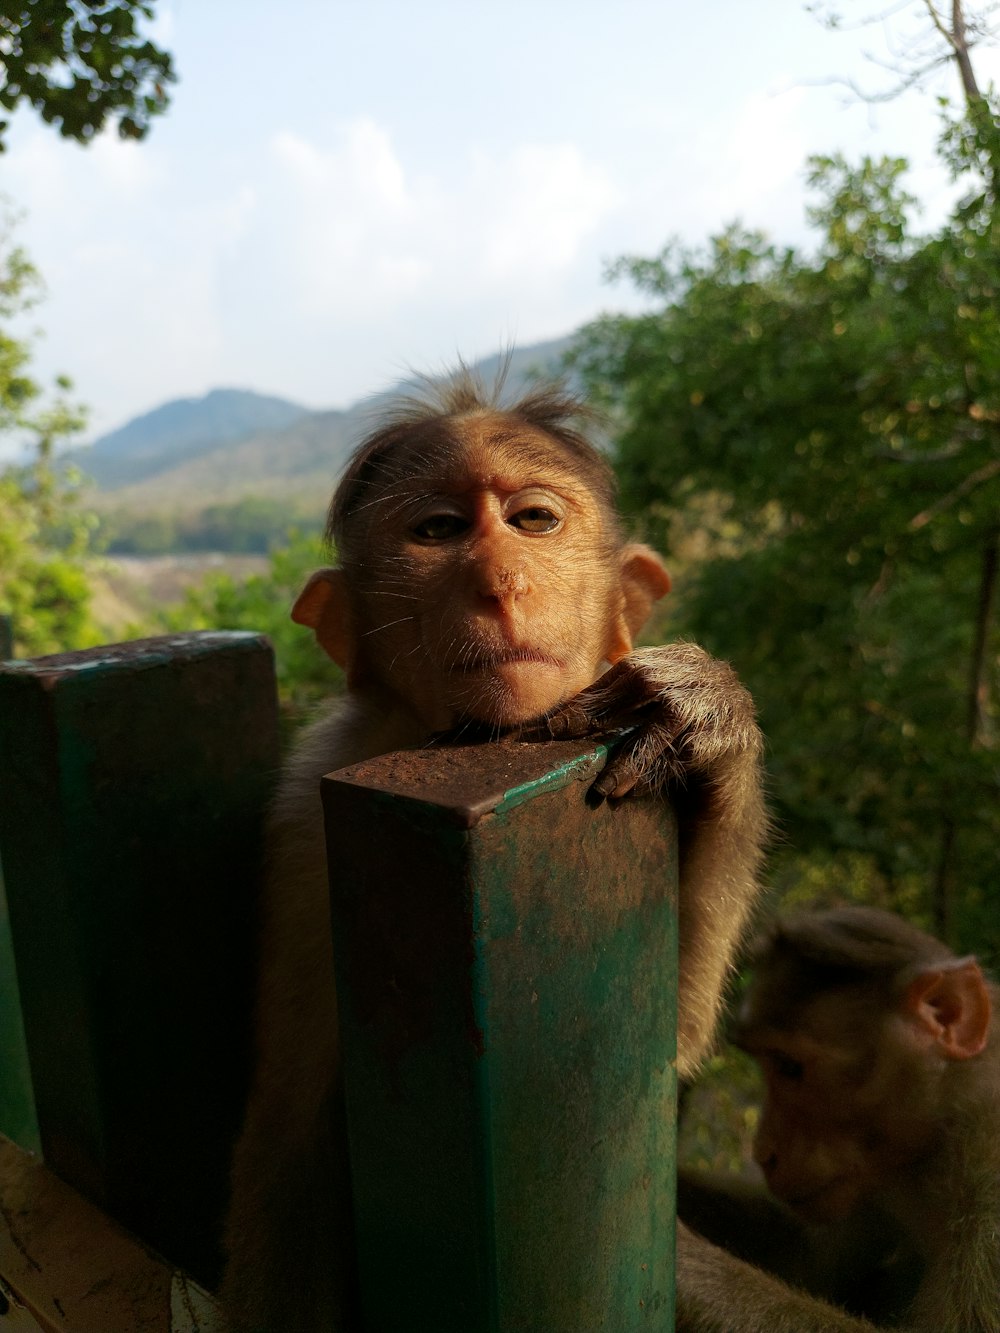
[{"x": 343, "y": 189}]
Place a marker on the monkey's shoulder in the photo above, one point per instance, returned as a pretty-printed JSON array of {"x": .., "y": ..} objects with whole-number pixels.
[{"x": 349, "y": 730}]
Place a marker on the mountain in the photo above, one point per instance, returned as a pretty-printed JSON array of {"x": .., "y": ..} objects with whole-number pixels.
[
  {"x": 162, "y": 439},
  {"x": 233, "y": 445}
]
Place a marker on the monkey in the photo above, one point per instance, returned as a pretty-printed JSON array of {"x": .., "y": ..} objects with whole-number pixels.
[
  {"x": 881, "y": 1062},
  {"x": 483, "y": 582}
]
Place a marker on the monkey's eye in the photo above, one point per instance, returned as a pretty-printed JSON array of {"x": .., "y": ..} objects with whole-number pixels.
[
  {"x": 534, "y": 519},
  {"x": 440, "y": 527},
  {"x": 787, "y": 1068}
]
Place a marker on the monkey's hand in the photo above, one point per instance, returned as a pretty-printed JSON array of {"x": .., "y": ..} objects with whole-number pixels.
[{"x": 692, "y": 722}]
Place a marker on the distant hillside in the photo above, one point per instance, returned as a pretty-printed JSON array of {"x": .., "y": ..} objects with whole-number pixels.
[
  {"x": 143, "y": 469},
  {"x": 285, "y": 463},
  {"x": 161, "y": 439}
]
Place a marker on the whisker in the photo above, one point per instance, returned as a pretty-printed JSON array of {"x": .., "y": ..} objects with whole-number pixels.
[{"x": 388, "y": 625}]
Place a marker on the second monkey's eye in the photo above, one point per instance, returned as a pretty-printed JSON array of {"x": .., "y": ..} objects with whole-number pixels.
[
  {"x": 535, "y": 518},
  {"x": 786, "y": 1068},
  {"x": 439, "y": 527}
]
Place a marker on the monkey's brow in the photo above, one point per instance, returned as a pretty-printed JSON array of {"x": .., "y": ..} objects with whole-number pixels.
[{"x": 400, "y": 498}]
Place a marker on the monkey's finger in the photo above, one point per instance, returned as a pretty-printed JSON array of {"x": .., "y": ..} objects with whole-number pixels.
[
  {"x": 615, "y": 700},
  {"x": 648, "y": 760},
  {"x": 570, "y": 720}
]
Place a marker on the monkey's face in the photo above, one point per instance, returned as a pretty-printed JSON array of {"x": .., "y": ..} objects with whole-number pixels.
[
  {"x": 849, "y": 1102},
  {"x": 491, "y": 591}
]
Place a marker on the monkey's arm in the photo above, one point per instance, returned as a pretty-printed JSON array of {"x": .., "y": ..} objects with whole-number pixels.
[
  {"x": 289, "y": 1226},
  {"x": 718, "y": 1293},
  {"x": 741, "y": 1217},
  {"x": 695, "y": 735},
  {"x": 864, "y": 1263}
]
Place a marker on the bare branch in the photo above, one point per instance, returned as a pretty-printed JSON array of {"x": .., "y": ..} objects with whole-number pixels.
[
  {"x": 974, "y": 479},
  {"x": 917, "y": 54},
  {"x": 942, "y": 455},
  {"x": 938, "y": 23},
  {"x": 905, "y": 82},
  {"x": 833, "y": 20}
]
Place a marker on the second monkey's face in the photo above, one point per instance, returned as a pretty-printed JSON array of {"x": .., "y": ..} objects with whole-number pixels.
[{"x": 492, "y": 588}]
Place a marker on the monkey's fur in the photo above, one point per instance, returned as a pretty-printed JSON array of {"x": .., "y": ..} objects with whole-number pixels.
[{"x": 483, "y": 580}]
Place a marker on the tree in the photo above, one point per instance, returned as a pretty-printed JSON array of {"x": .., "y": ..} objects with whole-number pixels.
[
  {"x": 947, "y": 34},
  {"x": 44, "y": 535},
  {"x": 81, "y": 62},
  {"x": 832, "y": 423}
]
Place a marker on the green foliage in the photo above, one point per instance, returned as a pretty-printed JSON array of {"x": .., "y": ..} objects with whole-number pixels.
[
  {"x": 831, "y": 425},
  {"x": 44, "y": 534},
  {"x": 251, "y": 526},
  {"x": 44, "y": 588},
  {"x": 719, "y": 1115},
  {"x": 81, "y": 62},
  {"x": 262, "y": 603}
]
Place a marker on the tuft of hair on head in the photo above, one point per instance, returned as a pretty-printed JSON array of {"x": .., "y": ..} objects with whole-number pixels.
[
  {"x": 546, "y": 403},
  {"x": 440, "y": 405}
]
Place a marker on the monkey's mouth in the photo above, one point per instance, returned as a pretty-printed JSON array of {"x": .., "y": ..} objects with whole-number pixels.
[{"x": 491, "y": 661}]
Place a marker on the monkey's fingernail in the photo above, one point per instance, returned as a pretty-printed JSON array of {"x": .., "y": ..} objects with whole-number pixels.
[
  {"x": 605, "y": 783},
  {"x": 568, "y": 722}
]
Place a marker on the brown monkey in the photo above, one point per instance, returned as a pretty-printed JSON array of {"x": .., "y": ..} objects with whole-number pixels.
[
  {"x": 483, "y": 581},
  {"x": 881, "y": 1060}
]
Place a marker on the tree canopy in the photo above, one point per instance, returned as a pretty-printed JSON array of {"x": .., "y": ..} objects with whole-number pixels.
[
  {"x": 80, "y": 63},
  {"x": 825, "y": 430}
]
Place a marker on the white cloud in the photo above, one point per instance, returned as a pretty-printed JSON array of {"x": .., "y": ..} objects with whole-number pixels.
[
  {"x": 123, "y": 166},
  {"x": 37, "y": 170},
  {"x": 362, "y": 166},
  {"x": 366, "y": 236},
  {"x": 767, "y": 147},
  {"x": 538, "y": 205}
]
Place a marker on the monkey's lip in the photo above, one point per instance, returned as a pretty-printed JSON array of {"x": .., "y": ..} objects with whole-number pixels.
[{"x": 490, "y": 661}]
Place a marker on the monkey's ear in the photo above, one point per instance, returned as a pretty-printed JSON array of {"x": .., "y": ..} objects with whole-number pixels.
[
  {"x": 951, "y": 1003},
  {"x": 644, "y": 580},
  {"x": 322, "y": 605}
]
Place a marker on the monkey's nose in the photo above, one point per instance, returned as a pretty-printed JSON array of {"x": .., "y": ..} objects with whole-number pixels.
[{"x": 501, "y": 585}]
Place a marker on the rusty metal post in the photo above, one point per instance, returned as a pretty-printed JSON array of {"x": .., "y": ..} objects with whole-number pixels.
[
  {"x": 132, "y": 783},
  {"x": 506, "y": 970}
]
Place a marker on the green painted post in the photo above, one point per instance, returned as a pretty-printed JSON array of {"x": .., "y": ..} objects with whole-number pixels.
[
  {"x": 132, "y": 783},
  {"x": 17, "y": 1102},
  {"x": 506, "y": 967}
]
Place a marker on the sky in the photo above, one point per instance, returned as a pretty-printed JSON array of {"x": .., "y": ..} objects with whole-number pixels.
[{"x": 344, "y": 190}]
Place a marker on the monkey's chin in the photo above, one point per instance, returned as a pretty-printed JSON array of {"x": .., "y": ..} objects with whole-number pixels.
[
  {"x": 508, "y": 693},
  {"x": 830, "y": 1203}
]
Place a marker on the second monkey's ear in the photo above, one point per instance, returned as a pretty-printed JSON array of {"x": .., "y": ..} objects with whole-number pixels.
[
  {"x": 644, "y": 580},
  {"x": 950, "y": 1002},
  {"x": 322, "y": 605}
]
